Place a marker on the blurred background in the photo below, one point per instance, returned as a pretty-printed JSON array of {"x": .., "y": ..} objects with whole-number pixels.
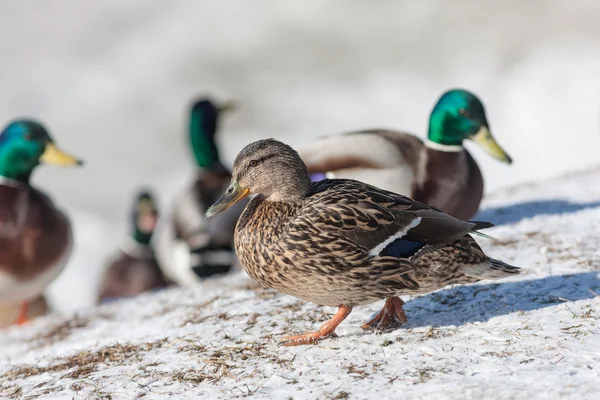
[{"x": 112, "y": 80}]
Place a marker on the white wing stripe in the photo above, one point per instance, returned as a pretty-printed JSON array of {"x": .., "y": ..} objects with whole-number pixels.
[{"x": 379, "y": 248}]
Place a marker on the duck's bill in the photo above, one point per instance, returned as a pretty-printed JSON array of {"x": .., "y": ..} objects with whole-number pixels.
[
  {"x": 233, "y": 194},
  {"x": 228, "y": 106},
  {"x": 53, "y": 155},
  {"x": 485, "y": 139}
]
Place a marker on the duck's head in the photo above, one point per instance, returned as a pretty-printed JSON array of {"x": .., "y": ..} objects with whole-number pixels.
[
  {"x": 267, "y": 167},
  {"x": 203, "y": 125},
  {"x": 459, "y": 115},
  {"x": 145, "y": 217},
  {"x": 24, "y": 144}
]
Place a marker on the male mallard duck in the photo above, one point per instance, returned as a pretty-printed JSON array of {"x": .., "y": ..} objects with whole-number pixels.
[
  {"x": 135, "y": 270},
  {"x": 439, "y": 172},
  {"x": 188, "y": 247},
  {"x": 35, "y": 237},
  {"x": 342, "y": 243}
]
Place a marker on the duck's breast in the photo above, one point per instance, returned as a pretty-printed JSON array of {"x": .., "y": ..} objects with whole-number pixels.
[
  {"x": 449, "y": 181},
  {"x": 35, "y": 243}
]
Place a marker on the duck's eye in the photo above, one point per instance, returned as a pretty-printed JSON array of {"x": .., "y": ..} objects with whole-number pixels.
[
  {"x": 27, "y": 136},
  {"x": 462, "y": 111},
  {"x": 253, "y": 163}
]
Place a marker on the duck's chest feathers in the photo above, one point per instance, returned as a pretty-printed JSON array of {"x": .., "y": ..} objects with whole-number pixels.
[
  {"x": 257, "y": 239},
  {"x": 450, "y": 181},
  {"x": 35, "y": 243}
]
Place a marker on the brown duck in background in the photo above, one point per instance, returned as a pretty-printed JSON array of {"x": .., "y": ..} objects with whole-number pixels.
[
  {"x": 439, "y": 172},
  {"x": 35, "y": 237},
  {"x": 134, "y": 270},
  {"x": 343, "y": 243}
]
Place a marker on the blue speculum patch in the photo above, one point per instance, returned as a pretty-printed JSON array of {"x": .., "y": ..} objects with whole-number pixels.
[{"x": 317, "y": 176}]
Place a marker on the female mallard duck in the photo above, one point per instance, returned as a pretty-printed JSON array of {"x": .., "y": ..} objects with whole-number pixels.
[
  {"x": 439, "y": 172},
  {"x": 35, "y": 237},
  {"x": 188, "y": 247},
  {"x": 134, "y": 270},
  {"x": 342, "y": 243}
]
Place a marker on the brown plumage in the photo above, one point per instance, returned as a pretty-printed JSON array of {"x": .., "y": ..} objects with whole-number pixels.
[
  {"x": 34, "y": 235},
  {"x": 343, "y": 243},
  {"x": 129, "y": 276},
  {"x": 135, "y": 270}
]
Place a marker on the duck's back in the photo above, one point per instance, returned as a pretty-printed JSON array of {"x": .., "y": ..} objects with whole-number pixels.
[
  {"x": 379, "y": 157},
  {"x": 35, "y": 242}
]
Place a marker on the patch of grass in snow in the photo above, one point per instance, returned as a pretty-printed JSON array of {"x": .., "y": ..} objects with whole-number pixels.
[
  {"x": 59, "y": 332},
  {"x": 84, "y": 363}
]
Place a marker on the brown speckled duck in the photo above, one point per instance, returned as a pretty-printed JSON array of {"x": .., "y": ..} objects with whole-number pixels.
[
  {"x": 135, "y": 270},
  {"x": 35, "y": 237},
  {"x": 439, "y": 172},
  {"x": 343, "y": 243}
]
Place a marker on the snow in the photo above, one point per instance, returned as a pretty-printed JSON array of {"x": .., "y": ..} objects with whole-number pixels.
[
  {"x": 531, "y": 336},
  {"x": 111, "y": 80}
]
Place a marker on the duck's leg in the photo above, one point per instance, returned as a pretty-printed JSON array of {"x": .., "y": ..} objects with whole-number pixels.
[
  {"x": 326, "y": 330},
  {"x": 22, "y": 319},
  {"x": 391, "y": 315}
]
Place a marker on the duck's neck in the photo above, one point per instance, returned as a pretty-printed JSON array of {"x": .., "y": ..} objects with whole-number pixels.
[
  {"x": 444, "y": 132},
  {"x": 291, "y": 190},
  {"x": 14, "y": 183},
  {"x": 15, "y": 169},
  {"x": 137, "y": 245},
  {"x": 202, "y": 137}
]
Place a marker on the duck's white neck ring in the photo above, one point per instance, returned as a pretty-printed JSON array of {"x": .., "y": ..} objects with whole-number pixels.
[
  {"x": 5, "y": 181},
  {"x": 443, "y": 147},
  {"x": 135, "y": 249}
]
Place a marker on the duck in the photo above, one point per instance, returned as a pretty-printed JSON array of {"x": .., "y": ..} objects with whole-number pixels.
[
  {"x": 134, "y": 269},
  {"x": 36, "y": 238},
  {"x": 343, "y": 243},
  {"x": 190, "y": 249},
  {"x": 438, "y": 171}
]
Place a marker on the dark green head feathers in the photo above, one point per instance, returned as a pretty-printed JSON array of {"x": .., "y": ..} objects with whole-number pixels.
[
  {"x": 203, "y": 125},
  {"x": 144, "y": 217},
  {"x": 24, "y": 144},
  {"x": 459, "y": 115}
]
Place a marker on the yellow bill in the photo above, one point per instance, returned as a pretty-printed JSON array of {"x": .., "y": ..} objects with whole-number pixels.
[
  {"x": 228, "y": 106},
  {"x": 53, "y": 155},
  {"x": 485, "y": 139},
  {"x": 233, "y": 194}
]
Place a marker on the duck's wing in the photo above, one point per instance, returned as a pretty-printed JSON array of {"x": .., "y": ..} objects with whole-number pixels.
[{"x": 382, "y": 222}]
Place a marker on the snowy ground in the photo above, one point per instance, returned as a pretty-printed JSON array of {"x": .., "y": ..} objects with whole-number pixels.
[
  {"x": 533, "y": 337},
  {"x": 111, "y": 80}
]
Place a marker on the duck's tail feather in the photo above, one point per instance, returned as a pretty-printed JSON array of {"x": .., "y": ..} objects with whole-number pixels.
[
  {"x": 493, "y": 269},
  {"x": 481, "y": 225}
]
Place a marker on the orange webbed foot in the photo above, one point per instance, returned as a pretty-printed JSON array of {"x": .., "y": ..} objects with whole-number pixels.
[
  {"x": 22, "y": 319},
  {"x": 307, "y": 338},
  {"x": 327, "y": 330},
  {"x": 391, "y": 316}
]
